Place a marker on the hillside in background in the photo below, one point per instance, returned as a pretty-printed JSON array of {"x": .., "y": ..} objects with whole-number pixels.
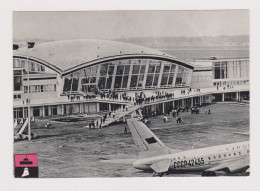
[{"x": 168, "y": 42}]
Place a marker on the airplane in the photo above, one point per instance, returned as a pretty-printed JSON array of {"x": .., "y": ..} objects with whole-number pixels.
[{"x": 211, "y": 161}]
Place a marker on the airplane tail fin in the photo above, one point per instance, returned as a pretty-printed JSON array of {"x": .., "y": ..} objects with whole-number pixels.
[{"x": 147, "y": 142}]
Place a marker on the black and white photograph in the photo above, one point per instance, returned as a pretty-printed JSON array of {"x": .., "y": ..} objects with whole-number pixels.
[{"x": 131, "y": 93}]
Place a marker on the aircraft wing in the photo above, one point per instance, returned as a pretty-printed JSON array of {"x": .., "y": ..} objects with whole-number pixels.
[
  {"x": 239, "y": 165},
  {"x": 161, "y": 166},
  {"x": 144, "y": 138}
]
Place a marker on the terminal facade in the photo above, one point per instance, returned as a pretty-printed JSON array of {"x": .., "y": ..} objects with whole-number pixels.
[{"x": 56, "y": 71}]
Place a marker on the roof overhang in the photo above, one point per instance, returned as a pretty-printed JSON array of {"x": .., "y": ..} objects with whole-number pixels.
[
  {"x": 128, "y": 56},
  {"x": 56, "y": 69}
]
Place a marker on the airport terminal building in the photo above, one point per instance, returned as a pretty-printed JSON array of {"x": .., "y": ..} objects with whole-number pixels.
[{"x": 55, "y": 71}]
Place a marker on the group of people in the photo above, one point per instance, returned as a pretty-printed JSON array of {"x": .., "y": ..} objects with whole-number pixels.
[
  {"x": 228, "y": 87},
  {"x": 194, "y": 110},
  {"x": 178, "y": 118},
  {"x": 95, "y": 124},
  {"x": 73, "y": 98}
]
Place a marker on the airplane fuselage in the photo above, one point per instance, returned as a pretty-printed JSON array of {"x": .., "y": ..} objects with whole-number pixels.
[{"x": 199, "y": 159}]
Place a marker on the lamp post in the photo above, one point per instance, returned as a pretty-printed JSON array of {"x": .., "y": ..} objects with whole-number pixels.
[{"x": 29, "y": 45}]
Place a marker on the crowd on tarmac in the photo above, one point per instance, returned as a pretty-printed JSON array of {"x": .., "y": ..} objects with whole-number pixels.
[
  {"x": 175, "y": 112},
  {"x": 137, "y": 99}
]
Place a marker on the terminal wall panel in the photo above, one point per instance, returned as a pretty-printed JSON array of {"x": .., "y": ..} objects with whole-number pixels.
[
  {"x": 92, "y": 108},
  {"x": 201, "y": 79}
]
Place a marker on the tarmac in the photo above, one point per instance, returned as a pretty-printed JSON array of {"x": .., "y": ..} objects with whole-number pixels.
[{"x": 70, "y": 150}]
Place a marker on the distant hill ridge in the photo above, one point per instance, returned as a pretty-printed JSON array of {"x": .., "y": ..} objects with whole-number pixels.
[{"x": 166, "y": 42}]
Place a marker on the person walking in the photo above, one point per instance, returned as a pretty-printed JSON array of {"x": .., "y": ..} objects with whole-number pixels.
[
  {"x": 125, "y": 131},
  {"x": 165, "y": 119}
]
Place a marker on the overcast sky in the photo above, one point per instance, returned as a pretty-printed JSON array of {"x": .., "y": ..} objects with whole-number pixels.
[{"x": 117, "y": 24}]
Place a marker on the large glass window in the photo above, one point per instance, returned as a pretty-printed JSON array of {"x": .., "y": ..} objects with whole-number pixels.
[
  {"x": 17, "y": 80},
  {"x": 134, "y": 80},
  {"x": 18, "y": 113},
  {"x": 67, "y": 84},
  {"x": 216, "y": 70},
  {"x": 168, "y": 74},
  {"x": 179, "y": 77},
  {"x": 153, "y": 74},
  {"x": 138, "y": 72},
  {"x": 122, "y": 74},
  {"x": 186, "y": 77}
]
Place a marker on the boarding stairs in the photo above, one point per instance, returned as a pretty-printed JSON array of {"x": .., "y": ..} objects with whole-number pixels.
[
  {"x": 120, "y": 113},
  {"x": 19, "y": 130},
  {"x": 15, "y": 123}
]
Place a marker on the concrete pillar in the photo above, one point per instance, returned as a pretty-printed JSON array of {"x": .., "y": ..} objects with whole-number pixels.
[
  {"x": 163, "y": 107},
  {"x": 223, "y": 97},
  {"x": 238, "y": 96},
  {"x": 43, "y": 111},
  {"x": 191, "y": 102},
  {"x": 62, "y": 109},
  {"x": 49, "y": 110},
  {"x": 79, "y": 108},
  {"x": 200, "y": 100},
  {"x": 182, "y": 102},
  {"x": 97, "y": 107},
  {"x": 31, "y": 111},
  {"x": 109, "y": 106}
]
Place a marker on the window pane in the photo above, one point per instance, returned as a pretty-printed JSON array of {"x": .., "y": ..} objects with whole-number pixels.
[
  {"x": 217, "y": 73},
  {"x": 120, "y": 70},
  {"x": 109, "y": 82},
  {"x": 179, "y": 78},
  {"x": 17, "y": 72},
  {"x": 111, "y": 70},
  {"x": 158, "y": 68},
  {"x": 23, "y": 63},
  {"x": 67, "y": 84},
  {"x": 32, "y": 66},
  {"x": 101, "y": 83},
  {"x": 127, "y": 69},
  {"x": 140, "y": 82},
  {"x": 136, "y": 69},
  {"x": 149, "y": 80},
  {"x": 85, "y": 80},
  {"x": 155, "y": 81},
  {"x": 17, "y": 83},
  {"x": 118, "y": 82},
  {"x": 133, "y": 81},
  {"x": 171, "y": 76},
  {"x": 170, "y": 80},
  {"x": 103, "y": 69},
  {"x": 166, "y": 68},
  {"x": 173, "y": 68},
  {"x": 93, "y": 80},
  {"x": 142, "y": 71},
  {"x": 125, "y": 80},
  {"x": 151, "y": 68},
  {"x": 164, "y": 79},
  {"x": 75, "y": 83}
]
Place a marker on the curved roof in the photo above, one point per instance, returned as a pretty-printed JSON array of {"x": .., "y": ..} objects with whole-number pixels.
[{"x": 68, "y": 54}]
